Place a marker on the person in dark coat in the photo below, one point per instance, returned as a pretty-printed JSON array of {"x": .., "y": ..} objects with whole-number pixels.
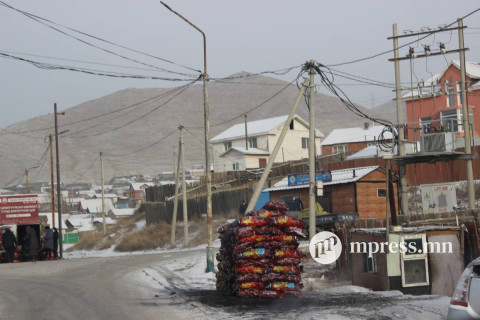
[
  {"x": 55, "y": 243},
  {"x": 243, "y": 208},
  {"x": 32, "y": 242},
  {"x": 48, "y": 238},
  {"x": 9, "y": 242}
]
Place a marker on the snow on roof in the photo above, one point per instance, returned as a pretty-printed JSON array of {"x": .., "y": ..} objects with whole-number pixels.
[
  {"x": 253, "y": 127},
  {"x": 472, "y": 68},
  {"x": 48, "y": 215},
  {"x": 258, "y": 127},
  {"x": 250, "y": 151},
  {"x": 95, "y": 205},
  {"x": 357, "y": 134},
  {"x": 368, "y": 152},
  {"x": 105, "y": 195},
  {"x": 338, "y": 177},
  {"x": 123, "y": 211},
  {"x": 141, "y": 185}
]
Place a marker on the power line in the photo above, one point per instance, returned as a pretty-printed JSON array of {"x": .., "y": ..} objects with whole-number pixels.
[
  {"x": 403, "y": 46},
  {"x": 183, "y": 88},
  {"x": 44, "y": 21}
]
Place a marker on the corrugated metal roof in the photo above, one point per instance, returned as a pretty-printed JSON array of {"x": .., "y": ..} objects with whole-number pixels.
[
  {"x": 338, "y": 177},
  {"x": 357, "y": 134}
]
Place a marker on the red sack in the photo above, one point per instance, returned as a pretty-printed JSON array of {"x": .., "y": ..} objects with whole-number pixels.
[
  {"x": 250, "y": 221},
  {"x": 284, "y": 286},
  {"x": 269, "y": 231},
  {"x": 243, "y": 232},
  {"x": 286, "y": 221},
  {"x": 276, "y": 205},
  {"x": 254, "y": 238},
  {"x": 283, "y": 238},
  {"x": 295, "y": 231},
  {"x": 288, "y": 262},
  {"x": 270, "y": 294},
  {"x": 251, "y": 269},
  {"x": 279, "y": 245},
  {"x": 247, "y": 277},
  {"x": 257, "y": 262},
  {"x": 287, "y": 269},
  {"x": 271, "y": 277},
  {"x": 269, "y": 213},
  {"x": 257, "y": 253},
  {"x": 287, "y": 253},
  {"x": 251, "y": 285}
]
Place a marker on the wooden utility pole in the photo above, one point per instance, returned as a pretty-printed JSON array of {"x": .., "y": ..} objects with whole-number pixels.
[
  {"x": 184, "y": 189},
  {"x": 26, "y": 181},
  {"x": 52, "y": 183},
  {"x": 59, "y": 193},
  {"x": 175, "y": 204},
  {"x": 104, "y": 219},
  {"x": 246, "y": 133}
]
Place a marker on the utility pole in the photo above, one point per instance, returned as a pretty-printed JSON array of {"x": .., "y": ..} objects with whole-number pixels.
[
  {"x": 466, "y": 118},
  {"x": 246, "y": 133},
  {"x": 59, "y": 193},
  {"x": 208, "y": 176},
  {"x": 26, "y": 181},
  {"x": 175, "y": 204},
  {"x": 52, "y": 183},
  {"x": 312, "y": 226},
  {"x": 402, "y": 168},
  {"x": 274, "y": 153},
  {"x": 184, "y": 189},
  {"x": 103, "y": 195}
]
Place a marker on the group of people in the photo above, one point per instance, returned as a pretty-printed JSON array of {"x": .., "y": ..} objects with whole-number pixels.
[{"x": 31, "y": 246}]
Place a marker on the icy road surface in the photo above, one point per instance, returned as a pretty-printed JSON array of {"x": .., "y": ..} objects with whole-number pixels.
[{"x": 173, "y": 285}]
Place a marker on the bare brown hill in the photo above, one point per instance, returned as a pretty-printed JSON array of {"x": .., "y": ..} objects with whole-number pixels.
[{"x": 138, "y": 138}]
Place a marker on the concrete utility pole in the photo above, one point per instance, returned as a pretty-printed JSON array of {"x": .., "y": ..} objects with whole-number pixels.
[
  {"x": 184, "y": 190},
  {"x": 26, "y": 181},
  {"x": 466, "y": 118},
  {"x": 104, "y": 219},
  {"x": 208, "y": 176},
  {"x": 175, "y": 204},
  {"x": 52, "y": 183},
  {"x": 59, "y": 193},
  {"x": 402, "y": 168},
  {"x": 246, "y": 133},
  {"x": 273, "y": 155},
  {"x": 311, "y": 155}
]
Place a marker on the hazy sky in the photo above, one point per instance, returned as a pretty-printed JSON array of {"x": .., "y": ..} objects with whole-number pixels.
[{"x": 251, "y": 36}]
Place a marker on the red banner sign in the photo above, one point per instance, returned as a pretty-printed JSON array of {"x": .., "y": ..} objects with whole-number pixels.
[{"x": 19, "y": 209}]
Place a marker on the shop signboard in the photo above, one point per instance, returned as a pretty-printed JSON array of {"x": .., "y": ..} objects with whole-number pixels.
[{"x": 19, "y": 209}]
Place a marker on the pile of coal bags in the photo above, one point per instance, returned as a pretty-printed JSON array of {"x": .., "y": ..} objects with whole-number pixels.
[{"x": 259, "y": 254}]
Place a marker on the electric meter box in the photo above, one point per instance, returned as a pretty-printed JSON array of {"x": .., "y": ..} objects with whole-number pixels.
[{"x": 437, "y": 198}]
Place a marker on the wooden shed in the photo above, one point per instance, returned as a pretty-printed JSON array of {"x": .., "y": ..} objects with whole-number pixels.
[{"x": 361, "y": 190}]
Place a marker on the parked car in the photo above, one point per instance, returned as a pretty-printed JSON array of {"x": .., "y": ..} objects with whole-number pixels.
[{"x": 465, "y": 303}]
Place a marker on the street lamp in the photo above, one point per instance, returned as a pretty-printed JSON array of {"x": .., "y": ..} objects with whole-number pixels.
[{"x": 210, "y": 257}]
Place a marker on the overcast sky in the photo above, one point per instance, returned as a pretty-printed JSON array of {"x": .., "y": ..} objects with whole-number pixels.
[{"x": 251, "y": 36}]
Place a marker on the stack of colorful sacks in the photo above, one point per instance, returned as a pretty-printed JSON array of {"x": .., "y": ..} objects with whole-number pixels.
[{"x": 259, "y": 254}]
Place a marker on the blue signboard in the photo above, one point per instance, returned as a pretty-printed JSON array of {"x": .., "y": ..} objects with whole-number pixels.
[{"x": 298, "y": 179}]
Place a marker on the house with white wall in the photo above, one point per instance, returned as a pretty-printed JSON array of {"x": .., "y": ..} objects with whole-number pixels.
[{"x": 239, "y": 149}]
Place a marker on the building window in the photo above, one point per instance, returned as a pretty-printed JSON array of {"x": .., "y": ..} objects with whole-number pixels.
[
  {"x": 370, "y": 263},
  {"x": 381, "y": 193},
  {"x": 236, "y": 166},
  {"x": 450, "y": 94},
  {"x": 227, "y": 145},
  {"x": 291, "y": 125},
  {"x": 293, "y": 202},
  {"x": 459, "y": 94},
  {"x": 252, "y": 142},
  {"x": 426, "y": 124},
  {"x": 304, "y": 143},
  {"x": 342, "y": 148},
  {"x": 449, "y": 120}
]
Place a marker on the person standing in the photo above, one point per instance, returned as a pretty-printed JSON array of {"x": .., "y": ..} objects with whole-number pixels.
[
  {"x": 243, "y": 208},
  {"x": 48, "y": 238},
  {"x": 55, "y": 243},
  {"x": 32, "y": 242},
  {"x": 10, "y": 244}
]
